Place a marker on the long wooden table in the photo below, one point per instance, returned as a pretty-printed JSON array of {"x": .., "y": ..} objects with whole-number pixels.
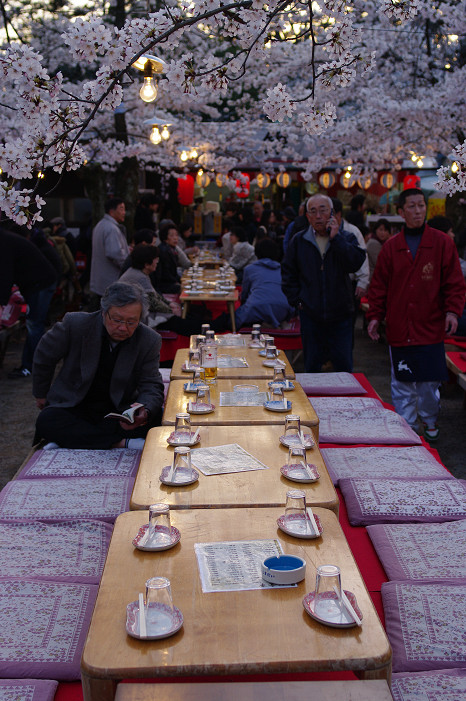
[
  {"x": 256, "y": 370},
  {"x": 244, "y": 632},
  {"x": 257, "y": 488},
  {"x": 177, "y": 400}
]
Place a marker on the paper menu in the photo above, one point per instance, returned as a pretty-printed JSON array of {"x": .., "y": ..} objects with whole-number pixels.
[
  {"x": 235, "y": 565},
  {"x": 223, "y": 459}
]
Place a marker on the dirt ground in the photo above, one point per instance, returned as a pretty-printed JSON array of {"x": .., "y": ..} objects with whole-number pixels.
[{"x": 18, "y": 411}]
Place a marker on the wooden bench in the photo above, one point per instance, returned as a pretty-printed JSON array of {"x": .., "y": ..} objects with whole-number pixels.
[
  {"x": 372, "y": 690},
  {"x": 286, "y": 339}
]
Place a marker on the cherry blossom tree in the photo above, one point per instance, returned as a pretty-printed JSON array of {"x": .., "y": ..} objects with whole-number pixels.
[{"x": 310, "y": 83}]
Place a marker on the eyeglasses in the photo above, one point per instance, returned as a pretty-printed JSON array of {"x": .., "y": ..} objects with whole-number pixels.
[{"x": 122, "y": 322}]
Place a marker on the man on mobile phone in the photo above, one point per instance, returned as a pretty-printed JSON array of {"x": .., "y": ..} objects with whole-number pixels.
[{"x": 315, "y": 279}]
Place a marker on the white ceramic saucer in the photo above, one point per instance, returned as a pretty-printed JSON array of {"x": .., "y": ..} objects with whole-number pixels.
[
  {"x": 170, "y": 621},
  {"x": 189, "y": 368},
  {"x": 183, "y": 476},
  {"x": 286, "y": 386},
  {"x": 302, "y": 529},
  {"x": 172, "y": 440},
  {"x": 263, "y": 352},
  {"x": 295, "y": 442},
  {"x": 342, "y": 619},
  {"x": 192, "y": 386},
  {"x": 278, "y": 406},
  {"x": 272, "y": 363},
  {"x": 140, "y": 541},
  {"x": 194, "y": 408},
  {"x": 297, "y": 473}
]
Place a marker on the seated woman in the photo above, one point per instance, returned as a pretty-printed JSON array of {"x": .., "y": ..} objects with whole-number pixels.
[
  {"x": 162, "y": 313},
  {"x": 243, "y": 252},
  {"x": 187, "y": 241},
  {"x": 262, "y": 299},
  {"x": 166, "y": 278}
]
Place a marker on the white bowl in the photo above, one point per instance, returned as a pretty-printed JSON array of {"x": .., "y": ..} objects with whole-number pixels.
[{"x": 285, "y": 569}]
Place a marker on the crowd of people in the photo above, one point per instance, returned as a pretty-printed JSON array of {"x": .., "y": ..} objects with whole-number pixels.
[{"x": 316, "y": 264}]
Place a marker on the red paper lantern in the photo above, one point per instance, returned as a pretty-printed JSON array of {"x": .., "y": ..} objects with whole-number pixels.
[
  {"x": 186, "y": 190},
  {"x": 242, "y": 186},
  {"x": 410, "y": 181}
]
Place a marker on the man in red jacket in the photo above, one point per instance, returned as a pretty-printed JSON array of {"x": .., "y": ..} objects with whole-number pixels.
[{"x": 419, "y": 289}]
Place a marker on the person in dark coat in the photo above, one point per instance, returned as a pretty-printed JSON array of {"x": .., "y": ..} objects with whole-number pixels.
[
  {"x": 110, "y": 361},
  {"x": 165, "y": 279},
  {"x": 23, "y": 264},
  {"x": 144, "y": 215},
  {"x": 315, "y": 273}
]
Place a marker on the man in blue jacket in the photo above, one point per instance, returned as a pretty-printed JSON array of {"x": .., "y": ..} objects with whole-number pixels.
[{"x": 315, "y": 279}]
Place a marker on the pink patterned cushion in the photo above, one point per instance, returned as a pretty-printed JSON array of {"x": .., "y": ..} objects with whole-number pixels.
[
  {"x": 44, "y": 626},
  {"x": 426, "y": 551},
  {"x": 367, "y": 426},
  {"x": 334, "y": 383},
  {"x": 426, "y": 625},
  {"x": 69, "y": 551},
  {"x": 327, "y": 406},
  {"x": 27, "y": 690},
  {"x": 120, "y": 462},
  {"x": 165, "y": 372},
  {"x": 400, "y": 501},
  {"x": 374, "y": 462},
  {"x": 440, "y": 685},
  {"x": 101, "y": 498}
]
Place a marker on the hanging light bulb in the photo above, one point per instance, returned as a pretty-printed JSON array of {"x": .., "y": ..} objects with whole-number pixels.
[
  {"x": 165, "y": 134},
  {"x": 148, "y": 92},
  {"x": 420, "y": 163},
  {"x": 184, "y": 156},
  {"x": 454, "y": 167},
  {"x": 155, "y": 136},
  {"x": 193, "y": 153}
]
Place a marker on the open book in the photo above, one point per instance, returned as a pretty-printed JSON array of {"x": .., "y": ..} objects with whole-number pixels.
[{"x": 127, "y": 415}]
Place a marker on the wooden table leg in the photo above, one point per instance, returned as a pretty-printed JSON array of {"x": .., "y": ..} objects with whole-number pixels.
[
  {"x": 231, "y": 309},
  {"x": 380, "y": 673},
  {"x": 184, "y": 310},
  {"x": 98, "y": 689}
]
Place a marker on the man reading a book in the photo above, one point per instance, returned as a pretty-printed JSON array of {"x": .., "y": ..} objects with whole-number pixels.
[{"x": 110, "y": 363}]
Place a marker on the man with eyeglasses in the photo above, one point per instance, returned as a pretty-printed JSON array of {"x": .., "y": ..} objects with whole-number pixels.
[{"x": 110, "y": 363}]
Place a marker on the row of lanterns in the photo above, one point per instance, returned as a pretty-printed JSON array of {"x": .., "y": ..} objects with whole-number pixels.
[{"x": 348, "y": 179}]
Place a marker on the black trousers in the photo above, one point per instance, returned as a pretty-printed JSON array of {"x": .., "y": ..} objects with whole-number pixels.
[{"x": 74, "y": 428}]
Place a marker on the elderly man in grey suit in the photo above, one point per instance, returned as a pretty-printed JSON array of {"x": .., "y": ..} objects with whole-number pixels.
[{"x": 110, "y": 362}]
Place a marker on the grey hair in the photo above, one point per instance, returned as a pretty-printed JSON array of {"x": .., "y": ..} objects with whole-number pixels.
[
  {"x": 325, "y": 197},
  {"x": 120, "y": 294}
]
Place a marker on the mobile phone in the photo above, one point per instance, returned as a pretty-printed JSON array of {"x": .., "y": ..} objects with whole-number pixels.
[{"x": 329, "y": 229}]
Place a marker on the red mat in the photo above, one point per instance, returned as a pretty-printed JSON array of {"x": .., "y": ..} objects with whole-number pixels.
[
  {"x": 170, "y": 346},
  {"x": 459, "y": 359},
  {"x": 69, "y": 691},
  {"x": 363, "y": 551},
  {"x": 459, "y": 341}
]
